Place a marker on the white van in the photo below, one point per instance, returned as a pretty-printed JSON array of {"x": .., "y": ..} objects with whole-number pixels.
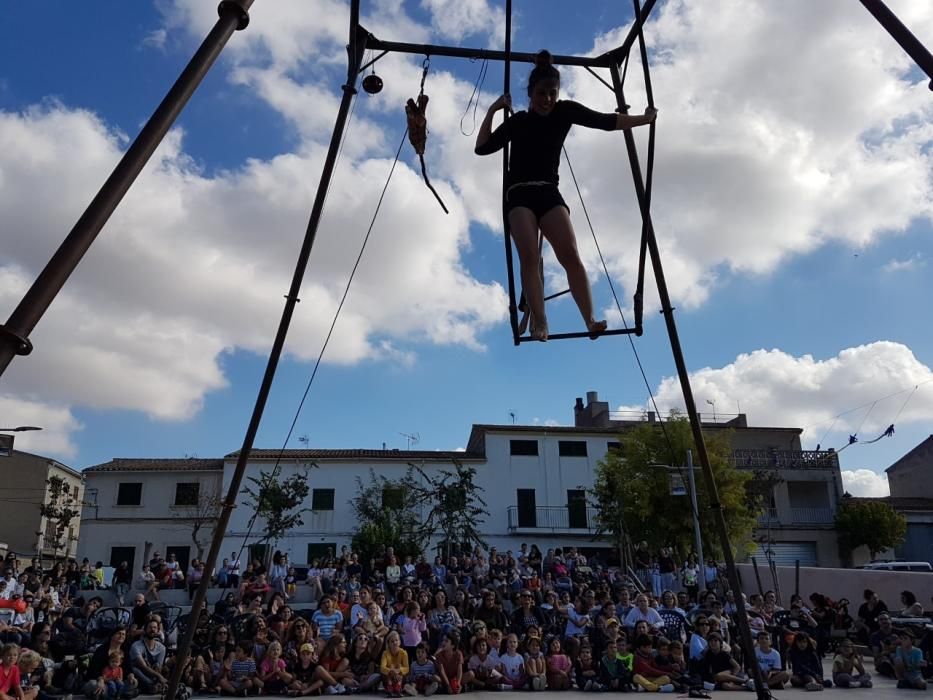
[{"x": 899, "y": 566}]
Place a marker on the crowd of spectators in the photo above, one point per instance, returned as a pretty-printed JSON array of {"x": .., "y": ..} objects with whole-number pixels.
[{"x": 475, "y": 621}]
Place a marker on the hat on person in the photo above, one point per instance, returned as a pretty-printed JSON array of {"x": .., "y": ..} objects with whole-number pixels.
[{"x": 306, "y": 647}]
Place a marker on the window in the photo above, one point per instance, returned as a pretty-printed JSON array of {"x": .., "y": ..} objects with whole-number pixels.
[
  {"x": 187, "y": 493},
  {"x": 393, "y": 499},
  {"x": 130, "y": 494},
  {"x": 321, "y": 551},
  {"x": 323, "y": 499},
  {"x": 614, "y": 446},
  {"x": 123, "y": 554},
  {"x": 182, "y": 555},
  {"x": 571, "y": 448},
  {"x": 576, "y": 508},
  {"x": 527, "y": 513},
  {"x": 76, "y": 492},
  {"x": 524, "y": 448}
]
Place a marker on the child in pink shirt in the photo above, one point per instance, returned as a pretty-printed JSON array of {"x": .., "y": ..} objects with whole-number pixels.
[
  {"x": 412, "y": 626},
  {"x": 558, "y": 667}
]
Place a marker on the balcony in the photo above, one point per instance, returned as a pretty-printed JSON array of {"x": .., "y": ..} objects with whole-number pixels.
[
  {"x": 813, "y": 516},
  {"x": 785, "y": 459},
  {"x": 557, "y": 519},
  {"x": 769, "y": 516}
]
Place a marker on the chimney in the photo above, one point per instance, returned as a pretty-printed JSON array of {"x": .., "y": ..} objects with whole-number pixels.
[{"x": 594, "y": 415}]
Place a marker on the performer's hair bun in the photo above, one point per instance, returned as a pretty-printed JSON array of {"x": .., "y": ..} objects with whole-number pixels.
[{"x": 544, "y": 70}]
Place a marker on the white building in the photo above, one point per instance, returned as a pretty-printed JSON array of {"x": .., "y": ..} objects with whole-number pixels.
[
  {"x": 534, "y": 480},
  {"x": 135, "y": 508}
]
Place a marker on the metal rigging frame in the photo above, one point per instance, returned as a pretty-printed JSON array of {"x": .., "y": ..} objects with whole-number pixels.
[{"x": 233, "y": 15}]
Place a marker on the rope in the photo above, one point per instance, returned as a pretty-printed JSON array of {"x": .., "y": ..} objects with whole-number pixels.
[
  {"x": 853, "y": 438},
  {"x": 276, "y": 468},
  {"x": 416, "y": 113},
  {"x": 477, "y": 91}
]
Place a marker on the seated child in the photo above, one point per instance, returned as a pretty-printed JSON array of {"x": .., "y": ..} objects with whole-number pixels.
[
  {"x": 848, "y": 669},
  {"x": 423, "y": 676},
  {"x": 769, "y": 663},
  {"x": 909, "y": 664},
  {"x": 646, "y": 674}
]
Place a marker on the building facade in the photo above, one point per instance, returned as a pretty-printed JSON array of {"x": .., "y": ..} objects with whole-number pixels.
[
  {"x": 26, "y": 484},
  {"x": 534, "y": 481},
  {"x": 136, "y": 508},
  {"x": 912, "y": 496}
]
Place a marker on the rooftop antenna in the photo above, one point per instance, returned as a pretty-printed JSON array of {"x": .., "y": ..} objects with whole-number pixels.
[
  {"x": 305, "y": 440},
  {"x": 512, "y": 416},
  {"x": 412, "y": 439}
]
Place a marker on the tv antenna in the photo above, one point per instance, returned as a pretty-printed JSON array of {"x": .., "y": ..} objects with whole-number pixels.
[
  {"x": 512, "y": 416},
  {"x": 412, "y": 439},
  {"x": 305, "y": 440}
]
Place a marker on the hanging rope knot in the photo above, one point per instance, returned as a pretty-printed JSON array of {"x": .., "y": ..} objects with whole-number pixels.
[{"x": 416, "y": 114}]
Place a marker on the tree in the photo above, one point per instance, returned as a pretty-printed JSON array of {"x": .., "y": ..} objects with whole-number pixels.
[
  {"x": 455, "y": 507},
  {"x": 871, "y": 523},
  {"x": 278, "y": 503},
  {"x": 203, "y": 510},
  {"x": 59, "y": 510},
  {"x": 632, "y": 492},
  {"x": 387, "y": 515}
]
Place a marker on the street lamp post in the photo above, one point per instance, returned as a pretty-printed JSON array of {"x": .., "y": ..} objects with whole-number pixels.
[
  {"x": 691, "y": 483},
  {"x": 6, "y": 441}
]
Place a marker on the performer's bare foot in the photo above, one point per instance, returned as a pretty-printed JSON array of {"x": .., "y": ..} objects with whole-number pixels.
[{"x": 596, "y": 329}]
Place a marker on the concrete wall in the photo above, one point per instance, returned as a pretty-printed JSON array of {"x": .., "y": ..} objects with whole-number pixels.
[{"x": 841, "y": 583}]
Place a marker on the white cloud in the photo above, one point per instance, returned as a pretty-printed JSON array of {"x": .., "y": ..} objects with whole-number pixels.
[
  {"x": 914, "y": 262},
  {"x": 456, "y": 19},
  {"x": 155, "y": 39},
  {"x": 865, "y": 482},
  {"x": 778, "y": 389},
  {"x": 192, "y": 266},
  {"x": 57, "y": 423}
]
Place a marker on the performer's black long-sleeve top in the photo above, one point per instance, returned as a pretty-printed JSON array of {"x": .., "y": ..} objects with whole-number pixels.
[{"x": 537, "y": 139}]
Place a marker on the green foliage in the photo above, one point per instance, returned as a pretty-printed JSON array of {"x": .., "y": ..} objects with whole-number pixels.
[
  {"x": 871, "y": 523},
  {"x": 633, "y": 494},
  {"x": 60, "y": 510},
  {"x": 387, "y": 516},
  {"x": 455, "y": 507},
  {"x": 278, "y": 502}
]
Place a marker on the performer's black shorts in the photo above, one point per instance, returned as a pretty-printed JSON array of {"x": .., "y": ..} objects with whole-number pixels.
[{"x": 540, "y": 198}]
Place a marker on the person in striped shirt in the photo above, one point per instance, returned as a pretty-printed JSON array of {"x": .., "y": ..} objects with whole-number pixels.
[{"x": 327, "y": 619}]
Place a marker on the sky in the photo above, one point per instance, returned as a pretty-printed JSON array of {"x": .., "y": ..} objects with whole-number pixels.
[{"x": 793, "y": 205}]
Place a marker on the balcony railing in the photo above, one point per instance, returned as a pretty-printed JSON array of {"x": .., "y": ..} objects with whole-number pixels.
[
  {"x": 785, "y": 459},
  {"x": 768, "y": 516},
  {"x": 817, "y": 516},
  {"x": 553, "y": 518}
]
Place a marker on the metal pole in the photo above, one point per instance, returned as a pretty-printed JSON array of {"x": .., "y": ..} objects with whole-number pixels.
[
  {"x": 902, "y": 35},
  {"x": 506, "y": 230},
  {"x": 696, "y": 520},
  {"x": 357, "y": 43},
  {"x": 667, "y": 310},
  {"x": 14, "y": 335}
]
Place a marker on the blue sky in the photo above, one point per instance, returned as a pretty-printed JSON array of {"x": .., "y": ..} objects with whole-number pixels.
[{"x": 793, "y": 205}]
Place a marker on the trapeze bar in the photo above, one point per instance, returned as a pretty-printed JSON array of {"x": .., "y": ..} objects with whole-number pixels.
[
  {"x": 461, "y": 52},
  {"x": 582, "y": 334}
]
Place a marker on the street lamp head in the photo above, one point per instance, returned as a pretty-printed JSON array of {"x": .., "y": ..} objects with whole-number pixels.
[{"x": 20, "y": 429}]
